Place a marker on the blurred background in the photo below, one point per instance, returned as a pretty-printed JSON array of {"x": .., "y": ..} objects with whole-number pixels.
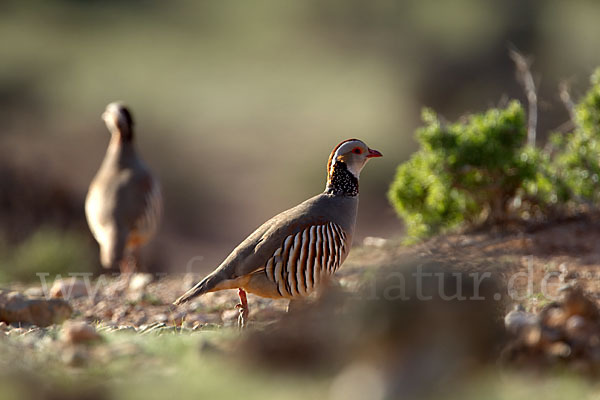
[{"x": 238, "y": 104}]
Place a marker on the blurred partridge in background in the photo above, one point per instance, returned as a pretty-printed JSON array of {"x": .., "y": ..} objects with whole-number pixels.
[
  {"x": 295, "y": 252},
  {"x": 124, "y": 203}
]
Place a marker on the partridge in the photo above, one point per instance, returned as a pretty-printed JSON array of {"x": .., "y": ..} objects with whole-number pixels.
[
  {"x": 124, "y": 204},
  {"x": 296, "y": 252}
]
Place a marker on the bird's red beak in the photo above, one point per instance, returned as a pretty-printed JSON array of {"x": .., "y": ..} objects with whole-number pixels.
[{"x": 374, "y": 153}]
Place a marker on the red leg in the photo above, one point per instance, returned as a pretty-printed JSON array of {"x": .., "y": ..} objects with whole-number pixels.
[
  {"x": 127, "y": 266},
  {"x": 243, "y": 308}
]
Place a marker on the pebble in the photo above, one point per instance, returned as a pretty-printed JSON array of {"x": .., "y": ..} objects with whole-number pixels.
[
  {"x": 16, "y": 331},
  {"x": 559, "y": 349},
  {"x": 556, "y": 317},
  {"x": 518, "y": 319},
  {"x": 161, "y": 318},
  {"x": 372, "y": 241},
  {"x": 34, "y": 292},
  {"x": 79, "y": 332},
  {"x": 140, "y": 281},
  {"x": 124, "y": 328},
  {"x": 69, "y": 288},
  {"x": 575, "y": 325}
]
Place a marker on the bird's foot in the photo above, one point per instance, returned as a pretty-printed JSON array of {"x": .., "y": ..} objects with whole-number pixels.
[{"x": 243, "y": 309}]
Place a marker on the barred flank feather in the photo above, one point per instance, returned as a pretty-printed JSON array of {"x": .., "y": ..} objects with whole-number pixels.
[{"x": 297, "y": 267}]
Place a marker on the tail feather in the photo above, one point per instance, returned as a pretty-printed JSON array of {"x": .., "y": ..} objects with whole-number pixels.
[{"x": 199, "y": 288}]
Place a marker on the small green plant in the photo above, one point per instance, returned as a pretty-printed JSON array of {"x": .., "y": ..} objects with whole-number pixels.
[
  {"x": 578, "y": 156},
  {"x": 480, "y": 170},
  {"x": 46, "y": 251},
  {"x": 468, "y": 171}
]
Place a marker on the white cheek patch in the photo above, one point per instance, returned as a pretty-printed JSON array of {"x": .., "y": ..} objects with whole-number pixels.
[{"x": 355, "y": 169}]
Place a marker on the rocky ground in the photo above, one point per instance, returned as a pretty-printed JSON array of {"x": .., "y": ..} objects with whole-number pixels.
[{"x": 554, "y": 325}]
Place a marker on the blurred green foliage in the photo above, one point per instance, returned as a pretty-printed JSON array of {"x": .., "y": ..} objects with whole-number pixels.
[
  {"x": 173, "y": 365},
  {"x": 223, "y": 91},
  {"x": 578, "y": 152},
  {"x": 48, "y": 250},
  {"x": 480, "y": 169},
  {"x": 465, "y": 171}
]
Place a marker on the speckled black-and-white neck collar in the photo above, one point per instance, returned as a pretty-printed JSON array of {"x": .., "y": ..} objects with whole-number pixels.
[{"x": 341, "y": 181}]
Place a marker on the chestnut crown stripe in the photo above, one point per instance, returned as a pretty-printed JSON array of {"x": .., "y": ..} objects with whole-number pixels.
[{"x": 332, "y": 155}]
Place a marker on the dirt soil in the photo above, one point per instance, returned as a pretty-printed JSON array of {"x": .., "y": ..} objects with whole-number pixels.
[{"x": 566, "y": 252}]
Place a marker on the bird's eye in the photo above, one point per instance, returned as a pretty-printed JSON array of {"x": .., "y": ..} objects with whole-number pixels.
[{"x": 357, "y": 150}]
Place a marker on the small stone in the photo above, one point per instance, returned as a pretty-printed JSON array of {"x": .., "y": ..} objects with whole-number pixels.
[
  {"x": 575, "y": 325},
  {"x": 532, "y": 335},
  {"x": 372, "y": 241},
  {"x": 69, "y": 288},
  {"x": 556, "y": 318},
  {"x": 17, "y": 331},
  {"x": 564, "y": 272},
  {"x": 3, "y": 326},
  {"x": 161, "y": 318},
  {"x": 125, "y": 328},
  {"x": 559, "y": 349},
  {"x": 518, "y": 319},
  {"x": 18, "y": 309},
  {"x": 79, "y": 332},
  {"x": 34, "y": 292},
  {"x": 139, "y": 282},
  {"x": 197, "y": 326}
]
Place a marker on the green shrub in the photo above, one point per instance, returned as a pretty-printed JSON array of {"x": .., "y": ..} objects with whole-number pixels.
[
  {"x": 424, "y": 198},
  {"x": 46, "y": 251},
  {"x": 473, "y": 170},
  {"x": 578, "y": 155},
  {"x": 479, "y": 169}
]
